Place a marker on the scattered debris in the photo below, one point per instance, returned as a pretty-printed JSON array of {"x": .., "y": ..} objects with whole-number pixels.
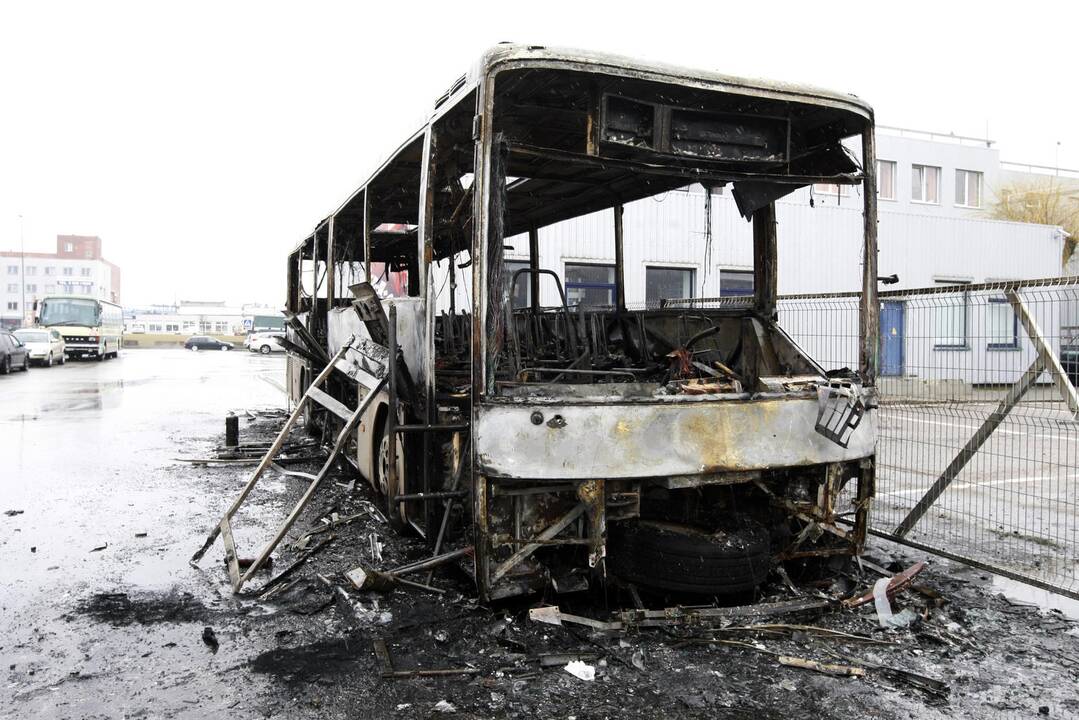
[
  {"x": 896, "y": 584},
  {"x": 99, "y": 548},
  {"x": 140, "y": 534},
  {"x": 387, "y": 671},
  {"x": 13, "y": 513},
  {"x": 365, "y": 579},
  {"x": 581, "y": 670},
  {"x": 677, "y": 616},
  {"x": 443, "y": 706},
  {"x": 826, "y": 668},
  {"x": 266, "y": 590}
]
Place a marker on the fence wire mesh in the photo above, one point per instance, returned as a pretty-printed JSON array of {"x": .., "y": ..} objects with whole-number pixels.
[{"x": 949, "y": 357}]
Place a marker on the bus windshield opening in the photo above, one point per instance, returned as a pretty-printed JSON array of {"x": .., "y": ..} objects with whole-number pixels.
[{"x": 70, "y": 312}]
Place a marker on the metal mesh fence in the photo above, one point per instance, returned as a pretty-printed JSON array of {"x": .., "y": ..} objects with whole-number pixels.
[{"x": 973, "y": 414}]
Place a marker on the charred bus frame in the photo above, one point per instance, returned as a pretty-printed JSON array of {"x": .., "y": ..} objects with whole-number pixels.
[{"x": 543, "y": 439}]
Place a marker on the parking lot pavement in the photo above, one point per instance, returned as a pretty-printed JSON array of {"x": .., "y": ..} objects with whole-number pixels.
[
  {"x": 1012, "y": 505},
  {"x": 86, "y": 461}
]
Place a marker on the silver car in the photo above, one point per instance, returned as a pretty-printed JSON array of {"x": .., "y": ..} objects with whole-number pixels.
[
  {"x": 265, "y": 342},
  {"x": 46, "y": 346}
]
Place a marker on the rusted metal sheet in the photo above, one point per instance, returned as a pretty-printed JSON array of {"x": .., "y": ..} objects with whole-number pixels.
[{"x": 630, "y": 440}]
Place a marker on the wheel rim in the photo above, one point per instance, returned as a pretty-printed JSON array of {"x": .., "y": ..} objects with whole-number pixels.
[{"x": 384, "y": 466}]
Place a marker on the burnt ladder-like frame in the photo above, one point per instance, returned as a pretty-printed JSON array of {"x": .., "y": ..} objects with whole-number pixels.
[{"x": 315, "y": 395}]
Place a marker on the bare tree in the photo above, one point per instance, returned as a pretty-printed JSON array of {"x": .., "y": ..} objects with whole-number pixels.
[{"x": 1044, "y": 201}]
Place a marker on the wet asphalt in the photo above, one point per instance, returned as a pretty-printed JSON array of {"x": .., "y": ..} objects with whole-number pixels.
[
  {"x": 93, "y": 501},
  {"x": 102, "y": 617}
]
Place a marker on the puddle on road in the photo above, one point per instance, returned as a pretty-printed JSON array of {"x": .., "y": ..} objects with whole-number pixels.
[{"x": 1036, "y": 597}]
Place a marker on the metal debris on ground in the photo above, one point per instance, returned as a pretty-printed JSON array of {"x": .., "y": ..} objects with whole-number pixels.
[
  {"x": 387, "y": 671},
  {"x": 897, "y": 583},
  {"x": 826, "y": 668}
]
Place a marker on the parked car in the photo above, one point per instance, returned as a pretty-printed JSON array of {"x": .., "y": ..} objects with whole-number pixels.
[
  {"x": 46, "y": 345},
  {"x": 205, "y": 342},
  {"x": 1069, "y": 360},
  {"x": 13, "y": 354},
  {"x": 265, "y": 342}
]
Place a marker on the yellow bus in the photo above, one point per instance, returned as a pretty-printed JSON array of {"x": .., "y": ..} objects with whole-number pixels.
[{"x": 91, "y": 328}]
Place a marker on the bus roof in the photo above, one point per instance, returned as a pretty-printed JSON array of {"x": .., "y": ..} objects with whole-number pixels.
[
  {"x": 509, "y": 56},
  {"x": 79, "y": 297}
]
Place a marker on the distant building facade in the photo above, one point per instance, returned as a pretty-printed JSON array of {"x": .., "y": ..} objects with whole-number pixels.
[
  {"x": 78, "y": 267},
  {"x": 200, "y": 317}
]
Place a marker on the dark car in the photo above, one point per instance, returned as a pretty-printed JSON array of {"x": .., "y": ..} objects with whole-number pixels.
[
  {"x": 1069, "y": 360},
  {"x": 13, "y": 354},
  {"x": 205, "y": 342}
]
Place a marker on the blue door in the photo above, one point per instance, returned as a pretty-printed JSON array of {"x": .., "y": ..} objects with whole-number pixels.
[{"x": 892, "y": 316}]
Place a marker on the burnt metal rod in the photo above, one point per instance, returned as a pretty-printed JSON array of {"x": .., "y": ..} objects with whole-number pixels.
[
  {"x": 454, "y": 484},
  {"x": 439, "y": 495},
  {"x": 391, "y": 416},
  {"x": 412, "y": 427},
  {"x": 433, "y": 561}
]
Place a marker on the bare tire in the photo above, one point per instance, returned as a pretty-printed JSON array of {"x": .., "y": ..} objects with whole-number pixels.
[
  {"x": 26, "y": 362},
  {"x": 394, "y": 511},
  {"x": 6, "y": 367},
  {"x": 265, "y": 350},
  {"x": 680, "y": 558}
]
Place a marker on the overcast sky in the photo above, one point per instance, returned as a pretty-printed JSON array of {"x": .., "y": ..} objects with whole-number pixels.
[{"x": 202, "y": 141}]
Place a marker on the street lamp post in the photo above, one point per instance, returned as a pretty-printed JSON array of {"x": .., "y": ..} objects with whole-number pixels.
[{"x": 22, "y": 274}]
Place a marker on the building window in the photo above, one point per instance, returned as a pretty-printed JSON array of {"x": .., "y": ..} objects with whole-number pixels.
[
  {"x": 522, "y": 293},
  {"x": 31, "y": 288},
  {"x": 664, "y": 283},
  {"x": 1002, "y": 326},
  {"x": 886, "y": 179},
  {"x": 735, "y": 282},
  {"x": 968, "y": 188},
  {"x": 950, "y": 318},
  {"x": 68, "y": 271},
  {"x": 31, "y": 270},
  {"x": 221, "y": 327},
  {"x": 12, "y": 269},
  {"x": 589, "y": 285},
  {"x": 13, "y": 287},
  {"x": 50, "y": 270},
  {"x": 925, "y": 184},
  {"x": 13, "y": 306},
  {"x": 831, "y": 189},
  {"x": 172, "y": 328},
  {"x": 155, "y": 328},
  {"x": 69, "y": 247},
  {"x": 85, "y": 272}
]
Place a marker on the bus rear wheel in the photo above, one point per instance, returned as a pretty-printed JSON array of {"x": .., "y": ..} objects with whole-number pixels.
[{"x": 382, "y": 478}]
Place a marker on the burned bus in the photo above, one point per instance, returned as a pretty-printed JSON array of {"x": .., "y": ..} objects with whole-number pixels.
[{"x": 552, "y": 437}]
